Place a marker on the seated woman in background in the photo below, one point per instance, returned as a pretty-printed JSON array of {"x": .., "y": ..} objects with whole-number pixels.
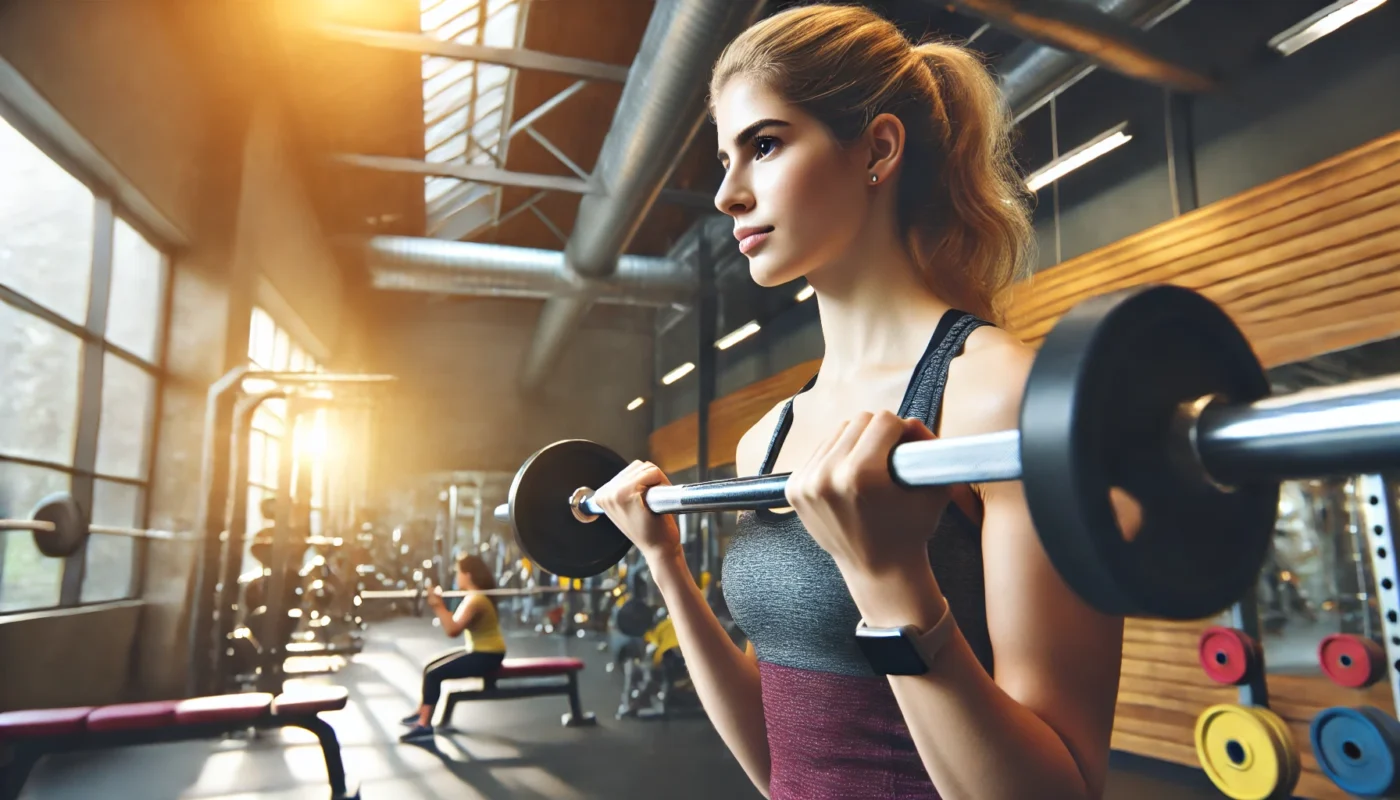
[{"x": 485, "y": 646}]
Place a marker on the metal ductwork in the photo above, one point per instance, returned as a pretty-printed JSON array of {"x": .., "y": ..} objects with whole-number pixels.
[
  {"x": 1033, "y": 73},
  {"x": 661, "y": 108},
  {"x": 410, "y": 263}
]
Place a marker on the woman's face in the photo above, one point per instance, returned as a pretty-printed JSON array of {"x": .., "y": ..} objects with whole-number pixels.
[
  {"x": 464, "y": 581},
  {"x": 798, "y": 197}
]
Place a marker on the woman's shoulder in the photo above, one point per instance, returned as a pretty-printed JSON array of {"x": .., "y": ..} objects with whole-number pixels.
[{"x": 985, "y": 384}]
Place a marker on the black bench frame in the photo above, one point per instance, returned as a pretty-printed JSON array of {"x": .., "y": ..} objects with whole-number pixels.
[
  {"x": 575, "y": 718},
  {"x": 26, "y": 751}
]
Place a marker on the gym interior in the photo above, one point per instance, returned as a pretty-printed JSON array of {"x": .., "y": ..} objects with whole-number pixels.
[{"x": 289, "y": 292}]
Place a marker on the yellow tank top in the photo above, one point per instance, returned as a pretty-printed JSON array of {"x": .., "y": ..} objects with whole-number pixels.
[{"x": 483, "y": 635}]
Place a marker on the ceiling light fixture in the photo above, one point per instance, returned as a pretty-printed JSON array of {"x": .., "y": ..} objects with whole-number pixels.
[
  {"x": 677, "y": 373},
  {"x": 1320, "y": 24},
  {"x": 738, "y": 335},
  {"x": 1111, "y": 139}
]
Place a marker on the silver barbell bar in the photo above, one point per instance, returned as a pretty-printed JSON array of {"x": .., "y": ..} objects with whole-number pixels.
[
  {"x": 412, "y": 594},
  {"x": 40, "y": 526},
  {"x": 1350, "y": 428}
]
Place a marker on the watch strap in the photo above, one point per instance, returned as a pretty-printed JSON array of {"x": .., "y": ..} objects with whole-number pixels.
[
  {"x": 932, "y": 641},
  {"x": 928, "y": 643}
]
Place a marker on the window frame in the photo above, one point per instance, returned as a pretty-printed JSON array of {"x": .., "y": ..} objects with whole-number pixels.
[
  {"x": 91, "y": 333},
  {"x": 275, "y": 410}
]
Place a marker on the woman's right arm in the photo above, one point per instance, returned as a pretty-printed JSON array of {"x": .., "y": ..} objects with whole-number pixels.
[{"x": 725, "y": 677}]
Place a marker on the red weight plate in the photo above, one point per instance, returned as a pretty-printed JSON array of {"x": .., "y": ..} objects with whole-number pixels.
[
  {"x": 1227, "y": 655},
  {"x": 1350, "y": 661}
]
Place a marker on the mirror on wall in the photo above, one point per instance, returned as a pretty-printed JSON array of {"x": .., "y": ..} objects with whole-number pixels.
[{"x": 1318, "y": 578}]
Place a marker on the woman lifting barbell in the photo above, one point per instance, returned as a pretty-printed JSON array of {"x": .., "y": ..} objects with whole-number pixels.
[
  {"x": 889, "y": 658},
  {"x": 476, "y": 619}
]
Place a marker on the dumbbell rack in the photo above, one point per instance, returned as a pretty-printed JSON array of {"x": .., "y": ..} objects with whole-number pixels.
[{"x": 1377, "y": 502}]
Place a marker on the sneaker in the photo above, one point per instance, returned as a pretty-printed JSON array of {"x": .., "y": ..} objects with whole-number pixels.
[
  {"x": 417, "y": 733},
  {"x": 411, "y": 720}
]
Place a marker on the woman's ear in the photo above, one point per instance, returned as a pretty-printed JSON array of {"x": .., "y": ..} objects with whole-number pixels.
[{"x": 885, "y": 141}]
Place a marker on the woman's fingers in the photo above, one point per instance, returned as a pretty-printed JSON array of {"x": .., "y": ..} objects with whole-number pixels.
[
  {"x": 916, "y": 431},
  {"x": 651, "y": 475},
  {"x": 814, "y": 478},
  {"x": 629, "y": 485},
  {"x": 869, "y": 458}
]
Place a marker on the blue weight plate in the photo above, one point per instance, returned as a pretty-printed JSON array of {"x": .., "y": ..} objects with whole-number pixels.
[
  {"x": 1356, "y": 748},
  {"x": 1098, "y": 413}
]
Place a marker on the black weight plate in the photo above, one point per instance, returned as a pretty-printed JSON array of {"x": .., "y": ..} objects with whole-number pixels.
[
  {"x": 544, "y": 524},
  {"x": 70, "y": 527},
  {"x": 634, "y": 618},
  {"x": 1097, "y": 410}
]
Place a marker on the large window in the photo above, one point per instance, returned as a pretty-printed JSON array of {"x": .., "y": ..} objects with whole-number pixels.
[
  {"x": 82, "y": 298},
  {"x": 272, "y": 349}
]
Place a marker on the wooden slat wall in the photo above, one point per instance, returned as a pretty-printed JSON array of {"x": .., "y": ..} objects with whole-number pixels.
[
  {"x": 673, "y": 446},
  {"x": 1305, "y": 265}
]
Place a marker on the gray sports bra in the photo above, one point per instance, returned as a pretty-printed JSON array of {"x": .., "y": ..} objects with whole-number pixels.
[{"x": 786, "y": 593}]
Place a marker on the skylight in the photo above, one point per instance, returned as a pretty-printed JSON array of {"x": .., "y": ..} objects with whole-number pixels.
[{"x": 465, "y": 103}]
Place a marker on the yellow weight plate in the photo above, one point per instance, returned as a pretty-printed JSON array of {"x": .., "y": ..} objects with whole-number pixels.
[
  {"x": 1295, "y": 761},
  {"x": 1241, "y": 753},
  {"x": 1284, "y": 737}
]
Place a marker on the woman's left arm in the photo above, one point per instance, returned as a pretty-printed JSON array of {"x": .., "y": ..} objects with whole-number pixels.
[{"x": 1042, "y": 727}]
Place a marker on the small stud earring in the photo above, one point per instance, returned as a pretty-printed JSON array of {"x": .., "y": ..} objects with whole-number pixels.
[{"x": 874, "y": 178}]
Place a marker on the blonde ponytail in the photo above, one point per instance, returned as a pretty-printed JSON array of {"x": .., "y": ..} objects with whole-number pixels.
[{"x": 986, "y": 225}]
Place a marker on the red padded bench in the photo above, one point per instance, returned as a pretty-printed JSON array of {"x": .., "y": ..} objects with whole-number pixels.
[
  {"x": 31, "y": 735},
  {"x": 522, "y": 670}
]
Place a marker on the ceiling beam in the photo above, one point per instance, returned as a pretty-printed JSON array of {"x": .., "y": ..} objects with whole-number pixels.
[
  {"x": 1101, "y": 37},
  {"x": 475, "y": 173},
  {"x": 500, "y": 177},
  {"x": 514, "y": 57}
]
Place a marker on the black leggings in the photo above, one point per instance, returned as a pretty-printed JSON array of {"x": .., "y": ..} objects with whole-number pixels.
[{"x": 453, "y": 665}]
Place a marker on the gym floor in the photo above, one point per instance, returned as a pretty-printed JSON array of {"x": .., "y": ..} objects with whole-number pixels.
[{"x": 501, "y": 749}]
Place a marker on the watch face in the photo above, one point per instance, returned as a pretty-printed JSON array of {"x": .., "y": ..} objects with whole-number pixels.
[{"x": 891, "y": 652}]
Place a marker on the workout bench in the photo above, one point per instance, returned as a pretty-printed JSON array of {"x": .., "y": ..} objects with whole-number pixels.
[
  {"x": 522, "y": 668},
  {"x": 31, "y": 735}
]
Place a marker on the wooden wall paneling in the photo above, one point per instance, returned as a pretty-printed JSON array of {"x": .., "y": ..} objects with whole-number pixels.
[
  {"x": 1241, "y": 252},
  {"x": 673, "y": 445},
  {"x": 1132, "y": 259}
]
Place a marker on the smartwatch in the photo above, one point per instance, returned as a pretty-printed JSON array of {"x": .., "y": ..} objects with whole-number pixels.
[{"x": 904, "y": 650}]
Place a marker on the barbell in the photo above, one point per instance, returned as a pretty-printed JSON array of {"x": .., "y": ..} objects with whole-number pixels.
[
  {"x": 418, "y": 594},
  {"x": 1151, "y": 390},
  {"x": 60, "y": 528}
]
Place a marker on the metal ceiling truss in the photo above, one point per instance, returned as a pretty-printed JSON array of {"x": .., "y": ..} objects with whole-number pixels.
[
  {"x": 463, "y": 210},
  {"x": 513, "y": 57}
]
